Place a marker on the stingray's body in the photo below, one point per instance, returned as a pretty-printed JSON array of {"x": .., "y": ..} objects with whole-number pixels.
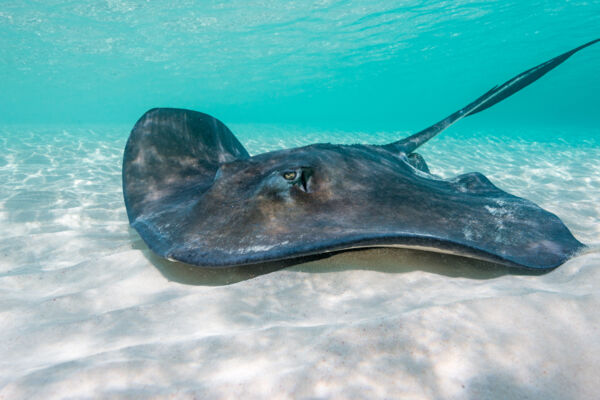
[{"x": 195, "y": 195}]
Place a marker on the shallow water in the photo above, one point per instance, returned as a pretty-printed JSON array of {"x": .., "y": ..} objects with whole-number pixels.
[
  {"x": 87, "y": 311},
  {"x": 398, "y": 64}
]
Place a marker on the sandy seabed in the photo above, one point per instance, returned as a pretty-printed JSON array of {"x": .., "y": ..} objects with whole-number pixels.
[{"x": 86, "y": 311}]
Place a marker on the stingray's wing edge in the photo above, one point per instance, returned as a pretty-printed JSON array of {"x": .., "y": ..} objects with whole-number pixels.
[
  {"x": 414, "y": 242},
  {"x": 172, "y": 149}
]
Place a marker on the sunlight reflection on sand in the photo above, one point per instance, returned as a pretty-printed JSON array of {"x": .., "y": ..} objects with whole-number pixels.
[{"x": 87, "y": 310}]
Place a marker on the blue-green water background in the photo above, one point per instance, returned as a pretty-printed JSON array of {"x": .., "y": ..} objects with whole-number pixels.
[
  {"x": 393, "y": 65},
  {"x": 87, "y": 310}
]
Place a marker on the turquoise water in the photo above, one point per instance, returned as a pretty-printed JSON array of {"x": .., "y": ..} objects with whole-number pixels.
[
  {"x": 87, "y": 311},
  {"x": 386, "y": 64}
]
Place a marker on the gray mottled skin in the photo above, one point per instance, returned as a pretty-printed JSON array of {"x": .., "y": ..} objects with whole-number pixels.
[{"x": 195, "y": 195}]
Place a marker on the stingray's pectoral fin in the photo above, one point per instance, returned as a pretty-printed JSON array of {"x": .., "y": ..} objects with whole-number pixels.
[
  {"x": 493, "y": 96},
  {"x": 171, "y": 156}
]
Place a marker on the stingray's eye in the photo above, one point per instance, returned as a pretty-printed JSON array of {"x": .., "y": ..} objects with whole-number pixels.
[
  {"x": 299, "y": 177},
  {"x": 289, "y": 175}
]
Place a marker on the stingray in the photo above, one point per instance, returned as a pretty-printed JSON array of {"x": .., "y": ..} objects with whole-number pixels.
[{"x": 195, "y": 195}]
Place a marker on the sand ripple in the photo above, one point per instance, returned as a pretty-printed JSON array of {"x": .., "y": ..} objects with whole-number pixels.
[{"x": 87, "y": 311}]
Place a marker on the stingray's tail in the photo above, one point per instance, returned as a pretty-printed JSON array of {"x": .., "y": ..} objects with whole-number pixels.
[{"x": 495, "y": 95}]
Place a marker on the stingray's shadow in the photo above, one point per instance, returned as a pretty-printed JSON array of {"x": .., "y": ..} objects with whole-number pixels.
[{"x": 387, "y": 260}]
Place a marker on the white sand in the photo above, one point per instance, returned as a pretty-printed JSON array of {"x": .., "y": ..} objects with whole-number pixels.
[{"x": 87, "y": 311}]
